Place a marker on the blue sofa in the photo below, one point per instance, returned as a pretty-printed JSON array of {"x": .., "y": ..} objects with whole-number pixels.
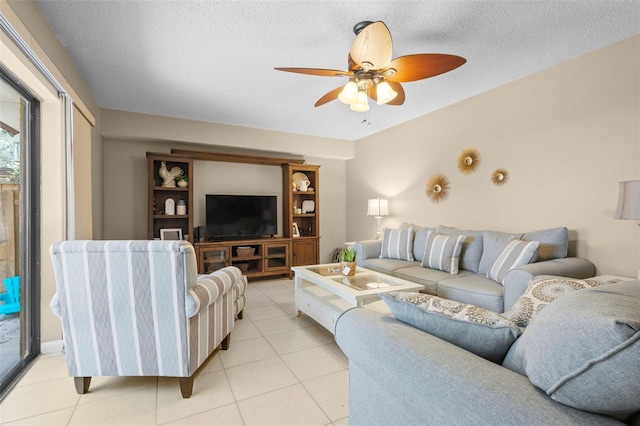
[
  {"x": 575, "y": 363},
  {"x": 479, "y": 250}
]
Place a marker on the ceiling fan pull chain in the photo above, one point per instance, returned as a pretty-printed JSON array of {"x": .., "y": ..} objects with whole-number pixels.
[{"x": 366, "y": 119}]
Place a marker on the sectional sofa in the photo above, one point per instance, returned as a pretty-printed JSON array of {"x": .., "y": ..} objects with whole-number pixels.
[
  {"x": 468, "y": 278},
  {"x": 436, "y": 362}
]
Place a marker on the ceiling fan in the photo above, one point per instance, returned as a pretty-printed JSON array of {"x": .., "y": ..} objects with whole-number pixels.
[{"x": 372, "y": 73}]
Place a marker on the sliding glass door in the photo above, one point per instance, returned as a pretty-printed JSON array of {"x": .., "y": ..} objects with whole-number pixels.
[{"x": 19, "y": 230}]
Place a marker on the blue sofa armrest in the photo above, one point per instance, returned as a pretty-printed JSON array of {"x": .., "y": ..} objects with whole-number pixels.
[
  {"x": 399, "y": 375},
  {"x": 517, "y": 280},
  {"x": 367, "y": 249}
]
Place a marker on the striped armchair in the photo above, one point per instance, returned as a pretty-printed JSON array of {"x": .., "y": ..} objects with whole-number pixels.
[{"x": 138, "y": 308}]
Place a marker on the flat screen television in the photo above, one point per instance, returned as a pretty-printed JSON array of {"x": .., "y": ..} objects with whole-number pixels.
[{"x": 239, "y": 217}]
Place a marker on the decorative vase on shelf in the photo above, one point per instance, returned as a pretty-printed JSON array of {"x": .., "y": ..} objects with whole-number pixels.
[{"x": 183, "y": 183}]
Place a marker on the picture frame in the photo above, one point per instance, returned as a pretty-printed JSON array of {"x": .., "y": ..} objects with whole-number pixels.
[
  {"x": 296, "y": 230},
  {"x": 171, "y": 234}
]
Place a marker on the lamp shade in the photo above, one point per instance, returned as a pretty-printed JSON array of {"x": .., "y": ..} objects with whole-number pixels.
[
  {"x": 361, "y": 105},
  {"x": 628, "y": 200},
  {"x": 349, "y": 93},
  {"x": 384, "y": 93},
  {"x": 378, "y": 207}
]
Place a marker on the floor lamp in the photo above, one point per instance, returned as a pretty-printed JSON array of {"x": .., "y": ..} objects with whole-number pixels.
[
  {"x": 378, "y": 207},
  {"x": 629, "y": 202}
]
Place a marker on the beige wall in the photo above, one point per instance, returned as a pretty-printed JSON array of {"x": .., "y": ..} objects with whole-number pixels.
[
  {"x": 567, "y": 136},
  {"x": 125, "y": 191},
  {"x": 28, "y": 21}
]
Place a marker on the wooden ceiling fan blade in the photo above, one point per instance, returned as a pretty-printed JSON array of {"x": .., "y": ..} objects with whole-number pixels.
[
  {"x": 423, "y": 65},
  {"x": 316, "y": 71},
  {"x": 332, "y": 95},
  {"x": 373, "y": 45}
]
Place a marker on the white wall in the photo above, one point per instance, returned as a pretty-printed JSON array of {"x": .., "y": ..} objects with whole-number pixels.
[{"x": 567, "y": 136}]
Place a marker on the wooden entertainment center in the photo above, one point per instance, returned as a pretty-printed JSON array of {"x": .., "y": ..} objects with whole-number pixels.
[{"x": 300, "y": 241}]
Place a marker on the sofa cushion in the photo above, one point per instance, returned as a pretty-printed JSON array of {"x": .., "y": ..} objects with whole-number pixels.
[
  {"x": 554, "y": 242},
  {"x": 442, "y": 252},
  {"x": 420, "y": 241},
  {"x": 428, "y": 277},
  {"x": 475, "y": 329},
  {"x": 471, "y": 247},
  {"x": 492, "y": 245},
  {"x": 582, "y": 349},
  {"x": 475, "y": 289},
  {"x": 516, "y": 253},
  {"x": 387, "y": 266},
  {"x": 397, "y": 244},
  {"x": 542, "y": 291}
]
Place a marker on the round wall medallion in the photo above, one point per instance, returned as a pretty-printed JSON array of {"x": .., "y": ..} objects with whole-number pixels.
[
  {"x": 499, "y": 176},
  {"x": 438, "y": 187},
  {"x": 468, "y": 161}
]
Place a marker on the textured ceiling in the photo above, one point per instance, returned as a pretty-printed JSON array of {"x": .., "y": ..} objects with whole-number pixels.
[{"x": 213, "y": 60}]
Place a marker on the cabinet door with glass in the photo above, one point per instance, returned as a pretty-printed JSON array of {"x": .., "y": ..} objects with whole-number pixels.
[
  {"x": 276, "y": 256},
  {"x": 213, "y": 258}
]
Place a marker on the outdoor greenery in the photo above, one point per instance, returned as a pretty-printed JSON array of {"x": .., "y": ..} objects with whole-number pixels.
[{"x": 9, "y": 167}]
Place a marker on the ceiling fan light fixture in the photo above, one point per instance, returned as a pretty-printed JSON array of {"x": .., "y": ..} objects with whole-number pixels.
[
  {"x": 349, "y": 94},
  {"x": 384, "y": 93},
  {"x": 361, "y": 105}
]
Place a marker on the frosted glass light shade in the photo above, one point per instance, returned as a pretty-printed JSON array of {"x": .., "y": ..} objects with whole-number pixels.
[
  {"x": 349, "y": 94},
  {"x": 628, "y": 201},
  {"x": 378, "y": 207},
  {"x": 384, "y": 93},
  {"x": 361, "y": 105}
]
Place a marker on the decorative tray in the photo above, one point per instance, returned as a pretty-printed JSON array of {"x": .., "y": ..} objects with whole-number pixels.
[{"x": 308, "y": 206}]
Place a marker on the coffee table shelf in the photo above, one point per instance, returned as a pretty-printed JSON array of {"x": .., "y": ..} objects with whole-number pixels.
[{"x": 323, "y": 294}]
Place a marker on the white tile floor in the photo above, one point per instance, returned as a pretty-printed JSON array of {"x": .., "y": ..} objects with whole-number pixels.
[{"x": 279, "y": 370}]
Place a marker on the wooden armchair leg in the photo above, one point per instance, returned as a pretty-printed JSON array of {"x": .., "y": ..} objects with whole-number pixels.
[
  {"x": 82, "y": 384},
  {"x": 186, "y": 386},
  {"x": 225, "y": 342}
]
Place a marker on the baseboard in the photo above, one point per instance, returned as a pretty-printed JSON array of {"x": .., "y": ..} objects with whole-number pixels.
[{"x": 52, "y": 347}]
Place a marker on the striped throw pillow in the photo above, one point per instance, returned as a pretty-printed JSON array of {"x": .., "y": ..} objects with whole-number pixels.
[
  {"x": 397, "y": 244},
  {"x": 516, "y": 253},
  {"x": 442, "y": 252}
]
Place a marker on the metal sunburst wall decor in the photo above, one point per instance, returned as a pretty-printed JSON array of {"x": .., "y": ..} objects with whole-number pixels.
[
  {"x": 438, "y": 187},
  {"x": 499, "y": 177},
  {"x": 468, "y": 161}
]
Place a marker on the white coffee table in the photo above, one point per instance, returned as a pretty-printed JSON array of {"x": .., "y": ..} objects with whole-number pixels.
[{"x": 323, "y": 293}]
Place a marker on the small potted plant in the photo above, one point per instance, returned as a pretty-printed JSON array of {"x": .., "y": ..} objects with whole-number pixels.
[
  {"x": 182, "y": 181},
  {"x": 348, "y": 261}
]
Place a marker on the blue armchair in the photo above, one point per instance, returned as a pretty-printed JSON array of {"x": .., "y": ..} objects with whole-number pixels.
[{"x": 138, "y": 308}]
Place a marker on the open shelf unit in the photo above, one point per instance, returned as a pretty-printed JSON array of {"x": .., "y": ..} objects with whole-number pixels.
[
  {"x": 306, "y": 246},
  {"x": 157, "y": 196}
]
